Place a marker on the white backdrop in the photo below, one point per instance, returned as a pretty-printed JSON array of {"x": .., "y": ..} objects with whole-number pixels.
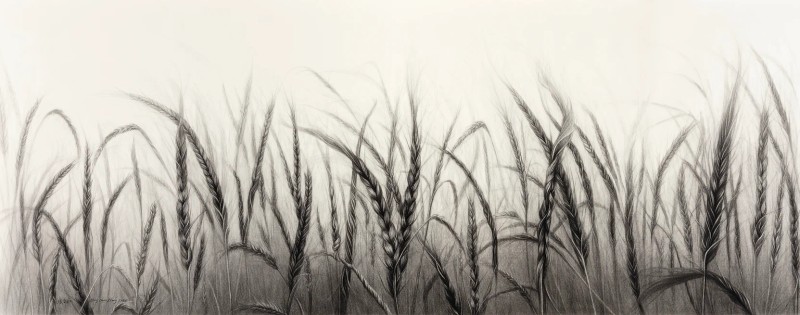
[{"x": 633, "y": 63}]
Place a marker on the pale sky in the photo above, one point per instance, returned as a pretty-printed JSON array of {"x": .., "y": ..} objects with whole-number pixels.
[
  {"x": 609, "y": 56},
  {"x": 79, "y": 54}
]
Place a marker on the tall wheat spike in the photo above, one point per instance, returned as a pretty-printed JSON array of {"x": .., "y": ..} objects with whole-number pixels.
[
  {"x": 87, "y": 205},
  {"x": 351, "y": 227},
  {"x": 82, "y": 298},
  {"x": 472, "y": 253},
  {"x": 553, "y": 151},
  {"x": 184, "y": 224},
  {"x": 387, "y": 226},
  {"x": 39, "y": 209},
  {"x": 715, "y": 189},
  {"x": 335, "y": 236},
  {"x": 683, "y": 208},
  {"x": 662, "y": 168},
  {"x": 297, "y": 258},
  {"x": 631, "y": 254},
  {"x": 23, "y": 141},
  {"x": 762, "y": 162},
  {"x": 144, "y": 247},
  {"x": 54, "y": 282},
  {"x": 409, "y": 206},
  {"x": 258, "y": 175},
  {"x": 209, "y": 172}
]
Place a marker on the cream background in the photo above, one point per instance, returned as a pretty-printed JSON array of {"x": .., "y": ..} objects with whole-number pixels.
[
  {"x": 615, "y": 58},
  {"x": 610, "y": 55}
]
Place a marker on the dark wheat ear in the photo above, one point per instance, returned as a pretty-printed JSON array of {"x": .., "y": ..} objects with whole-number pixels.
[
  {"x": 555, "y": 178},
  {"x": 87, "y": 205},
  {"x": 473, "y": 128},
  {"x": 450, "y": 291},
  {"x": 683, "y": 208},
  {"x": 297, "y": 194},
  {"x": 164, "y": 238},
  {"x": 777, "y": 101},
  {"x": 733, "y": 216},
  {"x": 715, "y": 206},
  {"x": 182, "y": 202},
  {"x": 519, "y": 162},
  {"x": 107, "y": 215},
  {"x": 23, "y": 140},
  {"x": 788, "y": 176},
  {"x": 257, "y": 178},
  {"x": 336, "y": 239},
  {"x": 297, "y": 256},
  {"x": 273, "y": 205},
  {"x": 392, "y": 187},
  {"x": 250, "y": 249},
  {"x": 242, "y": 210},
  {"x": 63, "y": 117},
  {"x": 150, "y": 298},
  {"x": 206, "y": 165},
  {"x": 580, "y": 242},
  {"x": 198, "y": 265},
  {"x": 715, "y": 192},
  {"x": 487, "y": 211},
  {"x": 777, "y": 234},
  {"x": 82, "y": 298},
  {"x": 613, "y": 202},
  {"x": 379, "y": 203},
  {"x": 145, "y": 246},
  {"x": 409, "y": 203},
  {"x": 586, "y": 185},
  {"x": 38, "y": 209},
  {"x": 662, "y": 169},
  {"x": 351, "y": 227},
  {"x": 632, "y": 264},
  {"x": 762, "y": 162},
  {"x": 472, "y": 251},
  {"x": 522, "y": 290},
  {"x": 137, "y": 184},
  {"x": 54, "y": 282}
]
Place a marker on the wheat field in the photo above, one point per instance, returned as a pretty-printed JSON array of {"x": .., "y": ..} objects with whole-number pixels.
[{"x": 539, "y": 211}]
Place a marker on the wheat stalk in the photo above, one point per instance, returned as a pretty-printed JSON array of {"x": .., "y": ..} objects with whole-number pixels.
[
  {"x": 81, "y": 299},
  {"x": 38, "y": 209},
  {"x": 257, "y": 178},
  {"x": 87, "y": 205},
  {"x": 715, "y": 195},
  {"x": 107, "y": 215},
  {"x": 23, "y": 140},
  {"x": 337, "y": 243},
  {"x": 449, "y": 288},
  {"x": 143, "y": 249},
  {"x": 54, "y": 282},
  {"x": 297, "y": 256},
  {"x": 662, "y": 169},
  {"x": 409, "y": 206},
  {"x": 472, "y": 244},
  {"x": 351, "y": 228},
  {"x": 631, "y": 256}
]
